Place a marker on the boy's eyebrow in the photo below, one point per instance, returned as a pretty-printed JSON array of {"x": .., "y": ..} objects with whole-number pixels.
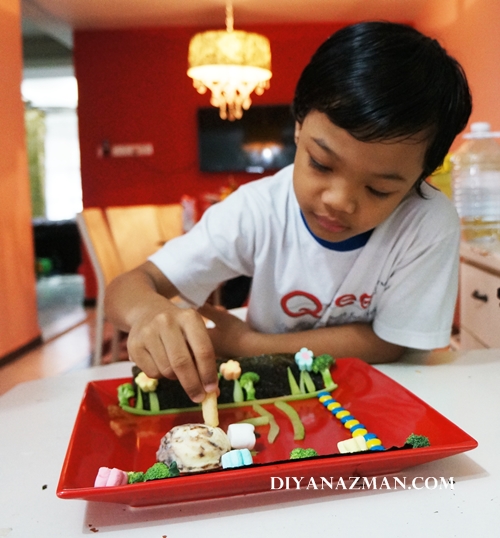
[
  {"x": 323, "y": 145},
  {"x": 389, "y": 175}
]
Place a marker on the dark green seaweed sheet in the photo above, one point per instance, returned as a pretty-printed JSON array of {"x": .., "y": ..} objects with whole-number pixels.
[{"x": 273, "y": 383}]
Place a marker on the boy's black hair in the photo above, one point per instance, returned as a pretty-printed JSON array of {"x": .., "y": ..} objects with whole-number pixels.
[{"x": 383, "y": 81}]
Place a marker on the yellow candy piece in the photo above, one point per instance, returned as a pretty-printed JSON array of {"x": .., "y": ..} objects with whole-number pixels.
[
  {"x": 355, "y": 444},
  {"x": 333, "y": 405},
  {"x": 342, "y": 414},
  {"x": 324, "y": 398},
  {"x": 359, "y": 431},
  {"x": 373, "y": 442},
  {"x": 350, "y": 423}
]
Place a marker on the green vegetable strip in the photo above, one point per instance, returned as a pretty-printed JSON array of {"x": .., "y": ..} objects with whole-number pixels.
[
  {"x": 302, "y": 385},
  {"x": 238, "y": 395},
  {"x": 294, "y": 388},
  {"x": 139, "y": 403},
  {"x": 273, "y": 425},
  {"x": 233, "y": 405},
  {"x": 154, "y": 404},
  {"x": 309, "y": 382},
  {"x": 298, "y": 428},
  {"x": 274, "y": 429}
]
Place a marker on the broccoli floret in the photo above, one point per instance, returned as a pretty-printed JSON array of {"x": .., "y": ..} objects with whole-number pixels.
[
  {"x": 321, "y": 364},
  {"x": 125, "y": 392},
  {"x": 135, "y": 477},
  {"x": 417, "y": 441},
  {"x": 299, "y": 453},
  {"x": 247, "y": 381},
  {"x": 157, "y": 471}
]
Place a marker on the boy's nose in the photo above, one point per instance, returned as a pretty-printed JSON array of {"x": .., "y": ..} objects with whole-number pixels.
[{"x": 339, "y": 198}]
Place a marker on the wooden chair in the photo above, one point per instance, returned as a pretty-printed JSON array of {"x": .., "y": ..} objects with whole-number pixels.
[
  {"x": 135, "y": 231},
  {"x": 170, "y": 221},
  {"x": 107, "y": 265}
]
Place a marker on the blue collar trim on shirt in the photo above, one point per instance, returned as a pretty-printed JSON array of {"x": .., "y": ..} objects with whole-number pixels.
[{"x": 352, "y": 243}]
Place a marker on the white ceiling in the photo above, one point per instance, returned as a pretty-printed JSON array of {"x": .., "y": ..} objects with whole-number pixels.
[{"x": 59, "y": 17}]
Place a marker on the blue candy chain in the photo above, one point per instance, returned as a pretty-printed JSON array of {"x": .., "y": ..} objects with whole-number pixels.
[{"x": 349, "y": 422}]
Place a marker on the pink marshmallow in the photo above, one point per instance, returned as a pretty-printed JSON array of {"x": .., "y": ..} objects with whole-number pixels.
[
  {"x": 107, "y": 477},
  {"x": 117, "y": 478},
  {"x": 102, "y": 477}
]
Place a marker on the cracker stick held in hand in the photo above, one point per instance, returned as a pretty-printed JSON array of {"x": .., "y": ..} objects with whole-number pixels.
[{"x": 209, "y": 410}]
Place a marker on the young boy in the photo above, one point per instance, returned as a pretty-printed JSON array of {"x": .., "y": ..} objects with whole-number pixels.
[{"x": 350, "y": 251}]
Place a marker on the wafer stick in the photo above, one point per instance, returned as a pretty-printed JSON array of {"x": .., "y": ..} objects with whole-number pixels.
[{"x": 209, "y": 410}]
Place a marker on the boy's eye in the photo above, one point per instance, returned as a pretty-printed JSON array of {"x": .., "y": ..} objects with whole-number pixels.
[
  {"x": 315, "y": 164},
  {"x": 378, "y": 194}
]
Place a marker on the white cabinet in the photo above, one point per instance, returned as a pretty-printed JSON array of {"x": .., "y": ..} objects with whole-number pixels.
[{"x": 479, "y": 297}]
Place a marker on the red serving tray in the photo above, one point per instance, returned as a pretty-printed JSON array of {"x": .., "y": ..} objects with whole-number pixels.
[{"x": 106, "y": 436}]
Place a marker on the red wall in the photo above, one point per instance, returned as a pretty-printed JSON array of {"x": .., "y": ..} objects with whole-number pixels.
[
  {"x": 470, "y": 32},
  {"x": 133, "y": 88}
]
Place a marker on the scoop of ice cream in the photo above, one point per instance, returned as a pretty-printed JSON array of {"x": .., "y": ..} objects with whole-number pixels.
[{"x": 194, "y": 447}]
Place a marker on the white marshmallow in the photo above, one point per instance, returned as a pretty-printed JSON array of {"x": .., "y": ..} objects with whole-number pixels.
[{"x": 241, "y": 435}]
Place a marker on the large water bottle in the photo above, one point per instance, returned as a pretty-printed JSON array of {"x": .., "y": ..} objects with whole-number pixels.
[{"x": 476, "y": 184}]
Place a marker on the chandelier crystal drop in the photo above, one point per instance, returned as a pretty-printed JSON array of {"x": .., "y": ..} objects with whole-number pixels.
[{"x": 231, "y": 64}]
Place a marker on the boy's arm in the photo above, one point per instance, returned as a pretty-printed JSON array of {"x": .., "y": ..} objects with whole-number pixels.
[
  {"x": 232, "y": 338},
  {"x": 164, "y": 340}
]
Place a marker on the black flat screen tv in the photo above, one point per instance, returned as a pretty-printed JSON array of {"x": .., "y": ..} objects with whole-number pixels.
[{"x": 261, "y": 141}]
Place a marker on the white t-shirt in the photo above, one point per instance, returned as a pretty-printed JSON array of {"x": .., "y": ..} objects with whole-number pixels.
[{"x": 404, "y": 280}]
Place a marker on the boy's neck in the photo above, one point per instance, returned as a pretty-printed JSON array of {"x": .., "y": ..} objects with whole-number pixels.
[{"x": 353, "y": 243}]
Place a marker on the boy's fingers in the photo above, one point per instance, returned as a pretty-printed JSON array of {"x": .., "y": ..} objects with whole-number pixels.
[
  {"x": 148, "y": 365},
  {"x": 151, "y": 355},
  {"x": 183, "y": 366},
  {"x": 139, "y": 355},
  {"x": 158, "y": 354},
  {"x": 181, "y": 355},
  {"x": 204, "y": 356},
  {"x": 179, "y": 348}
]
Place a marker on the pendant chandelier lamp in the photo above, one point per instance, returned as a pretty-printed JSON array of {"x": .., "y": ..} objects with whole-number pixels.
[{"x": 231, "y": 64}]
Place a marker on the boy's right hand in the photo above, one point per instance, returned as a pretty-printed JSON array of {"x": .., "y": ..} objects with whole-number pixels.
[{"x": 173, "y": 342}]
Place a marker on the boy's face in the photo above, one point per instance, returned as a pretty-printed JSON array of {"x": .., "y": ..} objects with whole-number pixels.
[{"x": 345, "y": 187}]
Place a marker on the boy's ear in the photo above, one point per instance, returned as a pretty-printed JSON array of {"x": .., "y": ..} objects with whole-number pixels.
[{"x": 298, "y": 127}]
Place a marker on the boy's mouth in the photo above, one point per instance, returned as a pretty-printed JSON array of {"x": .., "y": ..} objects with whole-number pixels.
[{"x": 331, "y": 225}]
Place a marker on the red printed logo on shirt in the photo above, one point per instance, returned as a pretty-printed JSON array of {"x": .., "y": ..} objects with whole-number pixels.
[
  {"x": 349, "y": 298},
  {"x": 300, "y": 303},
  {"x": 365, "y": 300},
  {"x": 345, "y": 300}
]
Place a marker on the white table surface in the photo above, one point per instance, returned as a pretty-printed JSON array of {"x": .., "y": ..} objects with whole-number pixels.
[{"x": 37, "y": 418}]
